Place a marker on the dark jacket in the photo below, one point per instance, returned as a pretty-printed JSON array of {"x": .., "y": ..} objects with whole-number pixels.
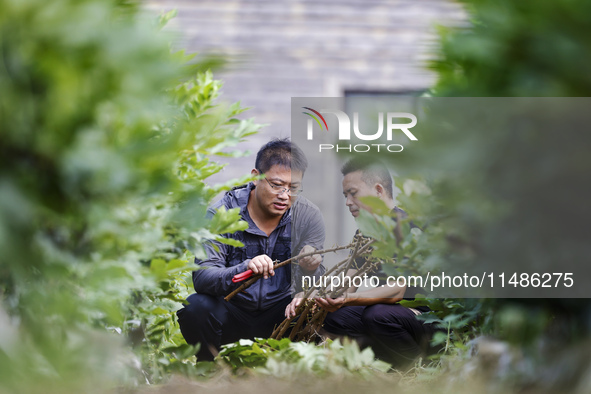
[{"x": 301, "y": 225}]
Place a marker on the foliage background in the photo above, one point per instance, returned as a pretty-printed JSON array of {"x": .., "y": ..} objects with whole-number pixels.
[
  {"x": 106, "y": 143},
  {"x": 518, "y": 195},
  {"x": 106, "y": 139}
]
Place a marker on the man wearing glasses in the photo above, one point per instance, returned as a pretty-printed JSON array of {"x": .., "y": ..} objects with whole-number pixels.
[{"x": 280, "y": 223}]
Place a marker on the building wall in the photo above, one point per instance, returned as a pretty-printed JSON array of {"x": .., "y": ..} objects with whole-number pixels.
[{"x": 302, "y": 48}]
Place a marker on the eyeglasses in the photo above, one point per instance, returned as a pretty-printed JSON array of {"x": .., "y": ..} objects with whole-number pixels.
[{"x": 278, "y": 189}]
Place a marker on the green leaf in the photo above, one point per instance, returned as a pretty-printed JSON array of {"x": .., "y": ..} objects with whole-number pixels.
[
  {"x": 377, "y": 205},
  {"x": 438, "y": 338},
  {"x": 229, "y": 241},
  {"x": 166, "y": 17},
  {"x": 227, "y": 221}
]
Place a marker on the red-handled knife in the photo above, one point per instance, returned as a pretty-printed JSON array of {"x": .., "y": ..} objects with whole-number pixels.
[{"x": 243, "y": 276}]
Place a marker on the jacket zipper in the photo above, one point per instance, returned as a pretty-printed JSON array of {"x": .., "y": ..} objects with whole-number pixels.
[{"x": 262, "y": 282}]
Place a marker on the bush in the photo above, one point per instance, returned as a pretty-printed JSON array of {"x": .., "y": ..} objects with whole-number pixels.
[
  {"x": 106, "y": 139},
  {"x": 512, "y": 197},
  {"x": 290, "y": 360}
]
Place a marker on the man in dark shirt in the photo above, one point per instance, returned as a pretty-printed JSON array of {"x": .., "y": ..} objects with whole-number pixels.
[
  {"x": 374, "y": 317},
  {"x": 280, "y": 222}
]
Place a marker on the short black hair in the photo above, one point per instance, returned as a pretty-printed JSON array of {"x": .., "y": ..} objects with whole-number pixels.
[
  {"x": 372, "y": 172},
  {"x": 281, "y": 152}
]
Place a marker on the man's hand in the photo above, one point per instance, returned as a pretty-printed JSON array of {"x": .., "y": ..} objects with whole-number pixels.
[
  {"x": 290, "y": 310},
  {"x": 331, "y": 304},
  {"x": 309, "y": 263},
  {"x": 262, "y": 265}
]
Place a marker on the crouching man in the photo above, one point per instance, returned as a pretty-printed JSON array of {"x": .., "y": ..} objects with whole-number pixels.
[
  {"x": 278, "y": 218},
  {"x": 374, "y": 317}
]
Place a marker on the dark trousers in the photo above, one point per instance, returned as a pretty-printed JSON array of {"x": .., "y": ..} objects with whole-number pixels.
[
  {"x": 213, "y": 322},
  {"x": 393, "y": 331}
]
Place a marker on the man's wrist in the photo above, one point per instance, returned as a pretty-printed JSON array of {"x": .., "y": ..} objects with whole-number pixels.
[
  {"x": 348, "y": 298},
  {"x": 242, "y": 266}
]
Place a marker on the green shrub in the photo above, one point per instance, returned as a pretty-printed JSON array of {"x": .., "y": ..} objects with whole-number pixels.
[
  {"x": 290, "y": 360},
  {"x": 105, "y": 145},
  {"x": 510, "y": 197}
]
